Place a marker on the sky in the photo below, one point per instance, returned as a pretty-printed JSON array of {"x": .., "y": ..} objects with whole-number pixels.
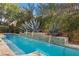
[
  {"x": 25, "y": 5},
  {"x": 22, "y": 4}
]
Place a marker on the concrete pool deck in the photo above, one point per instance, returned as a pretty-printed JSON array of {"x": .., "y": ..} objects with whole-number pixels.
[
  {"x": 72, "y": 45},
  {"x": 4, "y": 49},
  {"x": 35, "y": 53}
]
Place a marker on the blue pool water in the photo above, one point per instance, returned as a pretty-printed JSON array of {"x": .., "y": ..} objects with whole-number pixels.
[{"x": 21, "y": 45}]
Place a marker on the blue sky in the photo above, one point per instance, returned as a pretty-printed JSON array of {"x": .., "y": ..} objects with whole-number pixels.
[
  {"x": 22, "y": 4},
  {"x": 25, "y": 5}
]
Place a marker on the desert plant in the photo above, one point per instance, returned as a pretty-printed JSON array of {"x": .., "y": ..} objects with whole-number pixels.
[{"x": 31, "y": 26}]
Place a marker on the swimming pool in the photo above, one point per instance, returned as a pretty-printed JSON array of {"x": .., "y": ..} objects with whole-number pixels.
[{"x": 23, "y": 45}]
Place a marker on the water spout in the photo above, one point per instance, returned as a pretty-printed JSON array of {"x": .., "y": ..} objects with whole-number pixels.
[
  {"x": 32, "y": 34},
  {"x": 49, "y": 41}
]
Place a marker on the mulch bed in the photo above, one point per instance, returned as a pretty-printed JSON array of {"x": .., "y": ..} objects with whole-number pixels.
[{"x": 74, "y": 42}]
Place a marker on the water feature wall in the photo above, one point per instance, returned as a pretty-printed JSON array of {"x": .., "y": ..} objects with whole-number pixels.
[{"x": 47, "y": 38}]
